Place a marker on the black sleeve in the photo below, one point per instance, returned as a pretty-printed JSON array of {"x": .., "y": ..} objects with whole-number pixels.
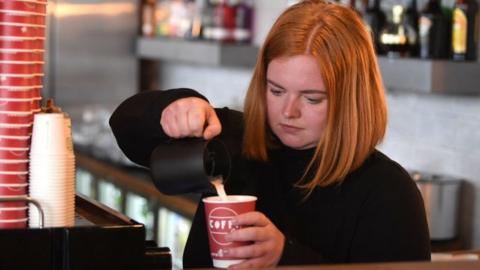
[
  {"x": 392, "y": 223},
  {"x": 136, "y": 122}
]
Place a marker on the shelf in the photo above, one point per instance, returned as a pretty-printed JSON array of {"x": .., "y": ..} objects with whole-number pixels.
[
  {"x": 430, "y": 76},
  {"x": 403, "y": 74},
  {"x": 197, "y": 52}
]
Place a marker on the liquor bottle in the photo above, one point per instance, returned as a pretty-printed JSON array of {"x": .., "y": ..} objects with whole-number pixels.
[
  {"x": 465, "y": 30},
  {"x": 196, "y": 24},
  {"x": 243, "y": 21},
  {"x": 148, "y": 18},
  {"x": 394, "y": 36},
  {"x": 224, "y": 20},
  {"x": 375, "y": 19},
  {"x": 208, "y": 24},
  {"x": 411, "y": 19},
  {"x": 434, "y": 31}
]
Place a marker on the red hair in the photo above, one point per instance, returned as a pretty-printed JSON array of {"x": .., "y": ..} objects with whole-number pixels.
[{"x": 337, "y": 37}]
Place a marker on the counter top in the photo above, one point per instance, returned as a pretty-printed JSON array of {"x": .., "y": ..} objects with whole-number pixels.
[
  {"x": 452, "y": 265},
  {"x": 461, "y": 265}
]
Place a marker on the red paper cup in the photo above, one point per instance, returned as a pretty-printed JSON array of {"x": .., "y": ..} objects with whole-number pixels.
[
  {"x": 18, "y": 82},
  {"x": 17, "y": 119},
  {"x": 13, "y": 223},
  {"x": 38, "y": 80},
  {"x": 218, "y": 215},
  {"x": 38, "y": 69},
  {"x": 36, "y": 104},
  {"x": 21, "y": 31},
  {"x": 14, "y": 143},
  {"x": 17, "y": 93},
  {"x": 14, "y": 131},
  {"x": 22, "y": 43},
  {"x": 12, "y": 155},
  {"x": 13, "y": 178},
  {"x": 33, "y": 7},
  {"x": 14, "y": 167},
  {"x": 12, "y": 204},
  {"x": 37, "y": 92},
  {"x": 27, "y": 68},
  {"x": 9, "y": 213},
  {"x": 13, "y": 190},
  {"x": 25, "y": 81},
  {"x": 15, "y": 105},
  {"x": 23, "y": 18},
  {"x": 21, "y": 55}
]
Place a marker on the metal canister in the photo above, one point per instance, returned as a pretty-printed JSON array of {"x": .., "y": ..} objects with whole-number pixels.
[{"x": 441, "y": 195}]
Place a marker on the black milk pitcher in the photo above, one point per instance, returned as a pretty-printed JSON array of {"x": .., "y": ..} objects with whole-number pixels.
[{"x": 189, "y": 165}]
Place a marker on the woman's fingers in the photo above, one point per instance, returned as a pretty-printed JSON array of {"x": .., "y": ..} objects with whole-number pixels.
[
  {"x": 264, "y": 253},
  {"x": 214, "y": 127},
  {"x": 190, "y": 117},
  {"x": 196, "y": 122},
  {"x": 268, "y": 241},
  {"x": 249, "y": 251},
  {"x": 248, "y": 234},
  {"x": 251, "y": 218}
]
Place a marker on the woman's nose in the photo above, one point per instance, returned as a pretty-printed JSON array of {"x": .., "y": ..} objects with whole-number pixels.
[{"x": 291, "y": 110}]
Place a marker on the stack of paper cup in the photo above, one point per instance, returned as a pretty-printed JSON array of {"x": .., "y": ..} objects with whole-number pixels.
[
  {"x": 13, "y": 214},
  {"x": 15, "y": 130},
  {"x": 22, "y": 47},
  {"x": 51, "y": 171}
]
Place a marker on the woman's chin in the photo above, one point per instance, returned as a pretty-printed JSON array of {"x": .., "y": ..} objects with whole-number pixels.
[{"x": 295, "y": 144}]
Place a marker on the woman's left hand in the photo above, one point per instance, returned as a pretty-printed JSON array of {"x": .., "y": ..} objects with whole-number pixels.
[{"x": 268, "y": 241}]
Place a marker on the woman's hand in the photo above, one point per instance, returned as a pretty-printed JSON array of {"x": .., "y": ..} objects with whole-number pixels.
[
  {"x": 190, "y": 117},
  {"x": 268, "y": 241}
]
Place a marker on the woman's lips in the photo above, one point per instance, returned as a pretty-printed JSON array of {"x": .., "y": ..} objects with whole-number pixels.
[{"x": 289, "y": 128}]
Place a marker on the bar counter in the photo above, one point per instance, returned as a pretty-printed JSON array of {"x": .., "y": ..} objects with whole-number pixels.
[{"x": 458, "y": 265}]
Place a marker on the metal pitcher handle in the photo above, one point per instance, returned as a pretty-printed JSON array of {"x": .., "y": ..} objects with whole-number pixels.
[{"x": 30, "y": 201}]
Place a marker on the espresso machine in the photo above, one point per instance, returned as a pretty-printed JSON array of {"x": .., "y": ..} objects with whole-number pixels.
[{"x": 102, "y": 238}]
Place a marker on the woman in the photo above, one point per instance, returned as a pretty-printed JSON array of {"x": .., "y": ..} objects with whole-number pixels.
[{"x": 305, "y": 146}]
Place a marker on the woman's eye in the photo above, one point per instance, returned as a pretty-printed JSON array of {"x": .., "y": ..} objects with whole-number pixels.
[
  {"x": 276, "y": 92},
  {"x": 314, "y": 100}
]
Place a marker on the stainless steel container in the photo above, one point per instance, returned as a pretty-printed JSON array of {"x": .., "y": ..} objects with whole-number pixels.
[{"x": 441, "y": 195}]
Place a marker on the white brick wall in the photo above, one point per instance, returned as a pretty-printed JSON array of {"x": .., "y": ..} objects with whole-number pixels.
[{"x": 439, "y": 134}]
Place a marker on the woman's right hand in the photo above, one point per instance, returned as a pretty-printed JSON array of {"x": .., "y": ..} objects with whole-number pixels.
[{"x": 190, "y": 117}]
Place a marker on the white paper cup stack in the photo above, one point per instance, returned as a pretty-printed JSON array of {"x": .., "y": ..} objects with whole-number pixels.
[{"x": 52, "y": 171}]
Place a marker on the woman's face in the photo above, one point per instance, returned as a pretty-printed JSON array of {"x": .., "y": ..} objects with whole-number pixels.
[{"x": 296, "y": 101}]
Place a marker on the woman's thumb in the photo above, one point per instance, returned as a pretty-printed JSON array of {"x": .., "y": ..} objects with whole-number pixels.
[{"x": 213, "y": 126}]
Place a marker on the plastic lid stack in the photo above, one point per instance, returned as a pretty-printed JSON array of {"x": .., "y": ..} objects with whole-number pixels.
[{"x": 22, "y": 47}]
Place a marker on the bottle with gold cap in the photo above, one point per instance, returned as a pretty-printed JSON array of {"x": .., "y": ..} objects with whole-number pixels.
[
  {"x": 465, "y": 27},
  {"x": 396, "y": 34}
]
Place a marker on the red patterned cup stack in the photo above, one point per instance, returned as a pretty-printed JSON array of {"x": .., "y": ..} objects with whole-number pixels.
[{"x": 22, "y": 47}]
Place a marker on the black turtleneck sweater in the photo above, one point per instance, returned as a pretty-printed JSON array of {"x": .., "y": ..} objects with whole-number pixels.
[{"x": 375, "y": 215}]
